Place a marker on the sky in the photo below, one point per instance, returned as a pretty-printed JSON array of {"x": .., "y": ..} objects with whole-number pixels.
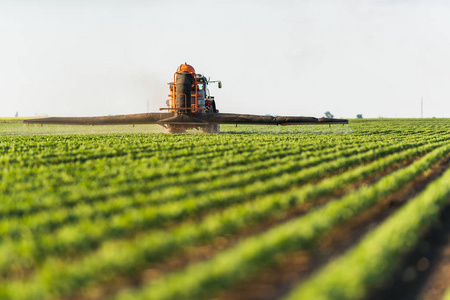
[{"x": 377, "y": 58}]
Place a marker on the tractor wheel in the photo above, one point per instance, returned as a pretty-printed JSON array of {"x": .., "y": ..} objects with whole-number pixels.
[
  {"x": 211, "y": 128},
  {"x": 176, "y": 129},
  {"x": 216, "y": 128}
]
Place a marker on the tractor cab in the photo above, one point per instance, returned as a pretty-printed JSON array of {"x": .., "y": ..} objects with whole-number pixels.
[{"x": 205, "y": 100}]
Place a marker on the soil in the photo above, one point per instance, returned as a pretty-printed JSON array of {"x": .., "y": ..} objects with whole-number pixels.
[{"x": 425, "y": 273}]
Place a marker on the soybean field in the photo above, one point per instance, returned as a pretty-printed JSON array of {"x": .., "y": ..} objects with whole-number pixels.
[{"x": 359, "y": 211}]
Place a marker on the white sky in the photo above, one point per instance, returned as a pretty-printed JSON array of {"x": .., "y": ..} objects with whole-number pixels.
[{"x": 84, "y": 58}]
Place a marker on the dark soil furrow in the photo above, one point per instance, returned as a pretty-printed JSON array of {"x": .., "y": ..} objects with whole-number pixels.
[{"x": 425, "y": 272}]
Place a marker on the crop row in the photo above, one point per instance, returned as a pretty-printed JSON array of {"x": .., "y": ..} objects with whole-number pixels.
[
  {"x": 87, "y": 234},
  {"x": 83, "y": 213},
  {"x": 131, "y": 168},
  {"x": 22, "y": 197},
  {"x": 371, "y": 261},
  {"x": 152, "y": 247},
  {"x": 37, "y": 157},
  {"x": 140, "y": 178},
  {"x": 52, "y": 218},
  {"x": 223, "y": 178},
  {"x": 199, "y": 280},
  {"x": 48, "y": 149}
]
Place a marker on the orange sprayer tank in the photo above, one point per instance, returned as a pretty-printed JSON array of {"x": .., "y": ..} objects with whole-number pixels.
[
  {"x": 184, "y": 90},
  {"x": 186, "y": 67}
]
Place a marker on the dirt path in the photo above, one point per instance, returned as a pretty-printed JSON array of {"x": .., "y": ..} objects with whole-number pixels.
[
  {"x": 425, "y": 273},
  {"x": 438, "y": 278}
]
